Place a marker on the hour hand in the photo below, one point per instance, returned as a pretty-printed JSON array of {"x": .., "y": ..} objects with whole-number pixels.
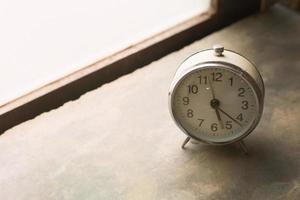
[
  {"x": 214, "y": 103},
  {"x": 219, "y": 118}
]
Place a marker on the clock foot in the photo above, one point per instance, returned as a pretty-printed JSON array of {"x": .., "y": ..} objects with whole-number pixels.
[
  {"x": 243, "y": 147},
  {"x": 185, "y": 142}
]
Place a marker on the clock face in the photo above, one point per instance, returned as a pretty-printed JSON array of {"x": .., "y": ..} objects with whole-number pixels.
[{"x": 215, "y": 104}]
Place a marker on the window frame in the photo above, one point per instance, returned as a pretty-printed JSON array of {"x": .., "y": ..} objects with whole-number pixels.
[{"x": 221, "y": 14}]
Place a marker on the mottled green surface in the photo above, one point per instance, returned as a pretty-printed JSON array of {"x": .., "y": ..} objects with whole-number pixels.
[{"x": 119, "y": 142}]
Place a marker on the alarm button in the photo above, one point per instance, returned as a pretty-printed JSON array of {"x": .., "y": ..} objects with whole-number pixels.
[{"x": 218, "y": 49}]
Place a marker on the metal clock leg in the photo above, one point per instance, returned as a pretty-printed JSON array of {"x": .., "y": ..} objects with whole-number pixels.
[
  {"x": 243, "y": 147},
  {"x": 185, "y": 142}
]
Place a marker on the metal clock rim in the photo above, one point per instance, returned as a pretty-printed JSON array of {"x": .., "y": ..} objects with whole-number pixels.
[{"x": 229, "y": 50}]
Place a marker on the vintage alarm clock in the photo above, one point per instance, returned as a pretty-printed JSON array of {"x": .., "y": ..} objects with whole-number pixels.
[{"x": 216, "y": 97}]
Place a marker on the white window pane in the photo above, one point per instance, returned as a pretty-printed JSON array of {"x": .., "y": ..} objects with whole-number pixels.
[{"x": 41, "y": 41}]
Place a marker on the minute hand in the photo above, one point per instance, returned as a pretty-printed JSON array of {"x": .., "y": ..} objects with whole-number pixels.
[{"x": 229, "y": 116}]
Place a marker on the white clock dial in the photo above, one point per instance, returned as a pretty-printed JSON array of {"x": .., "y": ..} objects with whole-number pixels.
[{"x": 215, "y": 104}]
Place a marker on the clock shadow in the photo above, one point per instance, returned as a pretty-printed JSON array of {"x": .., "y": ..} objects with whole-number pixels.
[{"x": 267, "y": 169}]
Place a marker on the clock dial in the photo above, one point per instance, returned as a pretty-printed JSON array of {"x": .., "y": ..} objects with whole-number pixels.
[{"x": 215, "y": 104}]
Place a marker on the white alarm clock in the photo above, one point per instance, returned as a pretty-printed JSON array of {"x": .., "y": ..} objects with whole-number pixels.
[{"x": 216, "y": 96}]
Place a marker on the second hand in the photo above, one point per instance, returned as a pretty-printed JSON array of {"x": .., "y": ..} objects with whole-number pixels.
[{"x": 215, "y": 104}]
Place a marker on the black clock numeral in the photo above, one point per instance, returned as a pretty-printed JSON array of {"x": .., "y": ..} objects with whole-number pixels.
[
  {"x": 217, "y": 76},
  {"x": 200, "y": 122},
  {"x": 193, "y": 89},
  {"x": 240, "y": 117},
  {"x": 245, "y": 105},
  {"x": 231, "y": 81},
  {"x": 241, "y": 92},
  {"x": 202, "y": 79},
  {"x": 214, "y": 127},
  {"x": 190, "y": 113},
  {"x": 186, "y": 100},
  {"x": 228, "y": 125}
]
